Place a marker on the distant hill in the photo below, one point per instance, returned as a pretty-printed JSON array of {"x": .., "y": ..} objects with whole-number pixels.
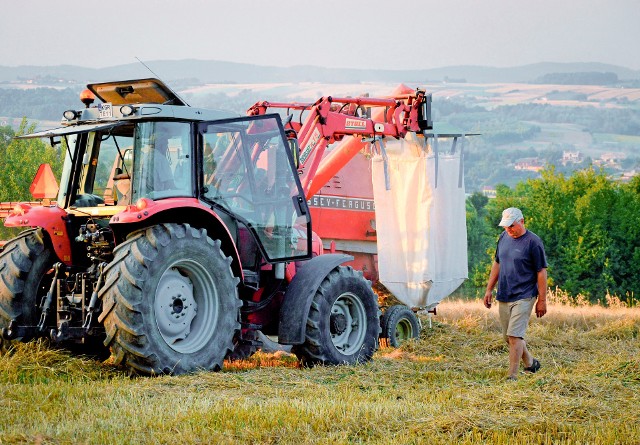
[
  {"x": 191, "y": 71},
  {"x": 582, "y": 78}
]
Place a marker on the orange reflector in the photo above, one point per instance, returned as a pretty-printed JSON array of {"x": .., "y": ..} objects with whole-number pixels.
[
  {"x": 20, "y": 209},
  {"x": 142, "y": 203},
  {"x": 44, "y": 185}
]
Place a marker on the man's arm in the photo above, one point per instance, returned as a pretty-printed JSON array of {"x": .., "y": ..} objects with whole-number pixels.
[
  {"x": 541, "y": 304},
  {"x": 493, "y": 279}
]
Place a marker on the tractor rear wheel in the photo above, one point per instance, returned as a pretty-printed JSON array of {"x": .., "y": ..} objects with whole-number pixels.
[
  {"x": 399, "y": 324},
  {"x": 343, "y": 322},
  {"x": 24, "y": 263},
  {"x": 170, "y": 303}
]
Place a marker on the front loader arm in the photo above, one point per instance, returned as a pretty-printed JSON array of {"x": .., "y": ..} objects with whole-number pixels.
[{"x": 330, "y": 119}]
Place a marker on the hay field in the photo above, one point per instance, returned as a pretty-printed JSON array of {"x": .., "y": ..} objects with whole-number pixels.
[{"x": 448, "y": 387}]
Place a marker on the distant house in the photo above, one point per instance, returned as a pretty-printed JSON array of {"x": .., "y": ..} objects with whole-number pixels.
[
  {"x": 571, "y": 157},
  {"x": 489, "y": 192},
  {"x": 612, "y": 158},
  {"x": 529, "y": 164},
  {"x": 626, "y": 176}
]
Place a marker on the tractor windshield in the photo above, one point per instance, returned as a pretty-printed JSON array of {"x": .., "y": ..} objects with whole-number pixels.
[
  {"x": 95, "y": 162},
  {"x": 248, "y": 170},
  {"x": 118, "y": 164}
]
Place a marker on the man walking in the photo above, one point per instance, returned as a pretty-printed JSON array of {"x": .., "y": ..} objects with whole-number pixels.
[{"x": 520, "y": 270}]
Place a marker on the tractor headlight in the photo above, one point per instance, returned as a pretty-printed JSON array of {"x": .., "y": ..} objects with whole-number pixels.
[
  {"x": 70, "y": 115},
  {"x": 127, "y": 110}
]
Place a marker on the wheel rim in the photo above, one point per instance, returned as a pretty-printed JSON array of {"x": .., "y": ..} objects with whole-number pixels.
[
  {"x": 404, "y": 330},
  {"x": 348, "y": 323},
  {"x": 186, "y": 306}
]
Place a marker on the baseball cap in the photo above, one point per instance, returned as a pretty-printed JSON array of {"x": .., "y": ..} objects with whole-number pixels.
[{"x": 509, "y": 216}]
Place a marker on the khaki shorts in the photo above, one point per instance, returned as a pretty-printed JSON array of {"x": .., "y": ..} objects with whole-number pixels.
[{"x": 514, "y": 317}]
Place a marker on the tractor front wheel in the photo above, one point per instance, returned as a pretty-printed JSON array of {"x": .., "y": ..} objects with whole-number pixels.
[
  {"x": 343, "y": 322},
  {"x": 170, "y": 303}
]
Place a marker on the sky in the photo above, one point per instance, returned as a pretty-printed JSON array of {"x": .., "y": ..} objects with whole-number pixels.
[{"x": 369, "y": 34}]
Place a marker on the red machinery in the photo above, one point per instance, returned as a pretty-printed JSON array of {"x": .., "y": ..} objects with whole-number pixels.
[
  {"x": 338, "y": 184},
  {"x": 179, "y": 234}
]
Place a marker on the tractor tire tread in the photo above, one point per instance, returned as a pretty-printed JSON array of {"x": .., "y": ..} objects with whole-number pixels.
[
  {"x": 17, "y": 260},
  {"x": 391, "y": 317},
  {"x": 316, "y": 350},
  {"x": 128, "y": 333}
]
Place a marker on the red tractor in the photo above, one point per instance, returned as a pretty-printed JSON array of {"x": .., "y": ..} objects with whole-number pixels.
[{"x": 180, "y": 234}]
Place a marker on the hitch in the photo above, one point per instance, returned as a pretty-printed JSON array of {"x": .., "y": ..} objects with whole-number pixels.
[
  {"x": 77, "y": 302},
  {"x": 91, "y": 309},
  {"x": 65, "y": 332},
  {"x": 48, "y": 299},
  {"x": 14, "y": 331}
]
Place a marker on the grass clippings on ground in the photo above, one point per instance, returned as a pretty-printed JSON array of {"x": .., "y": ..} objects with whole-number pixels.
[{"x": 447, "y": 387}]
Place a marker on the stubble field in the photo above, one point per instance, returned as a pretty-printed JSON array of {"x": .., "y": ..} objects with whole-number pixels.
[{"x": 448, "y": 387}]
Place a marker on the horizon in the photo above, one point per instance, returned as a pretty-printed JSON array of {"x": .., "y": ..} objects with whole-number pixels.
[{"x": 135, "y": 62}]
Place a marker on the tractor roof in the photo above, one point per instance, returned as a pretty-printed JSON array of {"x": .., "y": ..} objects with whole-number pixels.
[{"x": 148, "y": 91}]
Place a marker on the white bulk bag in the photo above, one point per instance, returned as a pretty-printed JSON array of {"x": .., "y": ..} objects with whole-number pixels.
[{"x": 420, "y": 222}]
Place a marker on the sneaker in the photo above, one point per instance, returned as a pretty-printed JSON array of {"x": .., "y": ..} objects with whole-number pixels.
[{"x": 535, "y": 366}]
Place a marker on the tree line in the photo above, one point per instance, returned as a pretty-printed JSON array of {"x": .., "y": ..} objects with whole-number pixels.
[
  {"x": 490, "y": 157},
  {"x": 589, "y": 223},
  {"x": 37, "y": 103},
  {"x": 50, "y": 103},
  {"x": 466, "y": 114},
  {"x": 580, "y": 78},
  {"x": 590, "y": 226},
  {"x": 20, "y": 161}
]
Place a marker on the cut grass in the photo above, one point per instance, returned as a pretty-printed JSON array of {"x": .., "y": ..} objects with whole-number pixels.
[{"x": 449, "y": 387}]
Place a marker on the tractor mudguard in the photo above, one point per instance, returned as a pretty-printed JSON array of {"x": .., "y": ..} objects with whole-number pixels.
[
  {"x": 297, "y": 299},
  {"x": 179, "y": 210},
  {"x": 51, "y": 219}
]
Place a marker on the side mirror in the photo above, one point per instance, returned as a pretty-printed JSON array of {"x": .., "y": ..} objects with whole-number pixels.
[
  {"x": 292, "y": 140},
  {"x": 44, "y": 185},
  {"x": 424, "y": 114},
  {"x": 295, "y": 151}
]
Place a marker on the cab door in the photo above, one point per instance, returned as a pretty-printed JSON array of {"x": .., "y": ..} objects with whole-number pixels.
[{"x": 248, "y": 172}]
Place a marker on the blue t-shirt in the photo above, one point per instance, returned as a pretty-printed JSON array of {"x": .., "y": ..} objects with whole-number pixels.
[{"x": 520, "y": 261}]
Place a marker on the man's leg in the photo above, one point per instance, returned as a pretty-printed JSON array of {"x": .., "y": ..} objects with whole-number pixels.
[
  {"x": 505, "y": 316},
  {"x": 527, "y": 358},
  {"x": 517, "y": 351}
]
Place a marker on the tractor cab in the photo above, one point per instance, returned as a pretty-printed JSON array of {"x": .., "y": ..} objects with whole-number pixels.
[{"x": 143, "y": 146}]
